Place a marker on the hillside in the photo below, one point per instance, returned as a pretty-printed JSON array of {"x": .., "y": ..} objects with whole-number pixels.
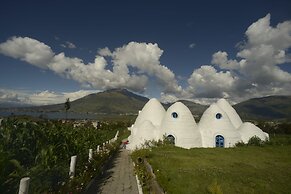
[
  {"x": 122, "y": 101},
  {"x": 115, "y": 101},
  {"x": 271, "y": 107}
]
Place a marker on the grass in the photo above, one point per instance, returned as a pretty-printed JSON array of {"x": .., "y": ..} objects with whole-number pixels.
[{"x": 248, "y": 169}]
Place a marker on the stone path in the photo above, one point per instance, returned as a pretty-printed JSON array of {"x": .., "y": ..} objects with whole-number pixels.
[{"x": 119, "y": 177}]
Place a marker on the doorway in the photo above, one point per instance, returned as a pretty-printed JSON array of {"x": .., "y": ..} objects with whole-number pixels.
[
  {"x": 171, "y": 139},
  {"x": 219, "y": 141}
]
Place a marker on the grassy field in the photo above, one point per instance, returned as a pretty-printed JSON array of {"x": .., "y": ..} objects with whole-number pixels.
[{"x": 249, "y": 169}]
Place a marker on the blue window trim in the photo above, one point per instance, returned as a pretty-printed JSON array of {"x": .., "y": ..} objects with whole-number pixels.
[{"x": 175, "y": 115}]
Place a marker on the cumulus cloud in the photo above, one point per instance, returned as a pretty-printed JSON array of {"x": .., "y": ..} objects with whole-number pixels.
[
  {"x": 27, "y": 49},
  {"x": 145, "y": 58},
  {"x": 208, "y": 82},
  {"x": 257, "y": 64},
  {"x": 142, "y": 58},
  {"x": 8, "y": 96},
  {"x": 104, "y": 52},
  {"x": 256, "y": 70},
  {"x": 220, "y": 58}
]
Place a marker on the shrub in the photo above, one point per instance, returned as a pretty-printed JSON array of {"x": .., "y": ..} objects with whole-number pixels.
[
  {"x": 240, "y": 144},
  {"x": 255, "y": 141}
]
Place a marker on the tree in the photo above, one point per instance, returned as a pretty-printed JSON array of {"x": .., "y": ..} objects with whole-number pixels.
[{"x": 67, "y": 106}]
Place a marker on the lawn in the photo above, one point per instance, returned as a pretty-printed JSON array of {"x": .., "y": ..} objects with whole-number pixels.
[{"x": 249, "y": 169}]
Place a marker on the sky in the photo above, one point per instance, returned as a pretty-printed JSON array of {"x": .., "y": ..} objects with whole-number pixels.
[{"x": 196, "y": 50}]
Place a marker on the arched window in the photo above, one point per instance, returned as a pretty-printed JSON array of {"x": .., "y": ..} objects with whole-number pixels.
[
  {"x": 175, "y": 115},
  {"x": 219, "y": 141},
  {"x": 218, "y": 116},
  {"x": 171, "y": 139}
]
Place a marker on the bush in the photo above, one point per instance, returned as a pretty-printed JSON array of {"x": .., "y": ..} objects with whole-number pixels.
[
  {"x": 255, "y": 141},
  {"x": 240, "y": 144}
]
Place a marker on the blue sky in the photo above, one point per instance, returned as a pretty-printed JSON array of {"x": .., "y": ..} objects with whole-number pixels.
[{"x": 200, "y": 50}]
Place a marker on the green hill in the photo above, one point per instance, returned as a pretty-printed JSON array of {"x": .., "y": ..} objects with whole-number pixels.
[
  {"x": 271, "y": 107},
  {"x": 115, "y": 101},
  {"x": 122, "y": 101}
]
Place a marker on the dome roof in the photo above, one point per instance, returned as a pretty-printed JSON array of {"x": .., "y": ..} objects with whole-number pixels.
[
  {"x": 249, "y": 130},
  {"x": 179, "y": 122},
  {"x": 152, "y": 111},
  {"x": 230, "y": 111},
  {"x": 215, "y": 117},
  {"x": 215, "y": 121},
  {"x": 146, "y": 131}
]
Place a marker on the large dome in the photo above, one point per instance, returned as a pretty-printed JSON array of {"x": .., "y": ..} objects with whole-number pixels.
[
  {"x": 153, "y": 111},
  {"x": 216, "y": 123},
  {"x": 230, "y": 111},
  {"x": 180, "y": 124}
]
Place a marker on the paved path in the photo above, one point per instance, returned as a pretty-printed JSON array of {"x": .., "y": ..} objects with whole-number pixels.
[{"x": 119, "y": 177}]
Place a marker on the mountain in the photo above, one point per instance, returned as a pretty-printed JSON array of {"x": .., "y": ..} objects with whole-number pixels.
[
  {"x": 122, "y": 101},
  {"x": 271, "y": 107},
  {"x": 114, "y": 101}
]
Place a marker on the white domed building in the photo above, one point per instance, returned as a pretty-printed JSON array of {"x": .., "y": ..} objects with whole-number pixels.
[
  {"x": 179, "y": 125},
  {"x": 147, "y": 124},
  {"x": 217, "y": 129},
  {"x": 219, "y": 126}
]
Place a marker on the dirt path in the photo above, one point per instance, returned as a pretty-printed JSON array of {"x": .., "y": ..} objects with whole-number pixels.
[{"x": 119, "y": 177}]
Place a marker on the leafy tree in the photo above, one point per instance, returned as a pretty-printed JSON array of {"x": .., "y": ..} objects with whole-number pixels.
[{"x": 67, "y": 106}]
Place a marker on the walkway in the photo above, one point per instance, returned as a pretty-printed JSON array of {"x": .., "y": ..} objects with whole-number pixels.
[{"x": 119, "y": 177}]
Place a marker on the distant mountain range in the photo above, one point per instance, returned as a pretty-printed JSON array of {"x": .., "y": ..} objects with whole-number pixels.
[
  {"x": 122, "y": 101},
  {"x": 271, "y": 107}
]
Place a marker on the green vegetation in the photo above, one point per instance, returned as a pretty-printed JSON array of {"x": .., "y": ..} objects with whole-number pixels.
[
  {"x": 42, "y": 149},
  {"x": 248, "y": 169},
  {"x": 271, "y": 107}
]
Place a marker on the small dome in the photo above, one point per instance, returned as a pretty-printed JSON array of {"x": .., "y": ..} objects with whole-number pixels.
[
  {"x": 146, "y": 132},
  {"x": 249, "y": 130}
]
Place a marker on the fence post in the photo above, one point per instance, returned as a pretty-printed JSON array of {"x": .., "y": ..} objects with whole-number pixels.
[
  {"x": 24, "y": 185},
  {"x": 98, "y": 148},
  {"x": 90, "y": 154},
  {"x": 116, "y": 136},
  {"x": 72, "y": 166}
]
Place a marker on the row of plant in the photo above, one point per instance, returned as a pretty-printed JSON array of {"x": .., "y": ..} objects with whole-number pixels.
[
  {"x": 255, "y": 167},
  {"x": 42, "y": 150}
]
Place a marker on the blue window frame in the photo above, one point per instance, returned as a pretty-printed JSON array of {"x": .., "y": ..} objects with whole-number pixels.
[
  {"x": 218, "y": 116},
  {"x": 219, "y": 141},
  {"x": 175, "y": 115}
]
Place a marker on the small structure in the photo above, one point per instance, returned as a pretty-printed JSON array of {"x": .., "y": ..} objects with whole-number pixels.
[{"x": 219, "y": 126}]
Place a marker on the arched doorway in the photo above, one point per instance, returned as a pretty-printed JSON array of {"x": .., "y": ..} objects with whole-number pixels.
[
  {"x": 219, "y": 141},
  {"x": 171, "y": 139}
]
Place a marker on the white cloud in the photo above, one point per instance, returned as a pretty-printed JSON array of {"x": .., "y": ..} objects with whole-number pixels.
[
  {"x": 8, "y": 96},
  {"x": 258, "y": 61},
  {"x": 49, "y": 97},
  {"x": 27, "y": 49},
  {"x": 104, "y": 52},
  {"x": 220, "y": 58},
  {"x": 207, "y": 82},
  {"x": 254, "y": 72},
  {"x": 192, "y": 45},
  {"x": 168, "y": 98},
  {"x": 145, "y": 58},
  {"x": 69, "y": 45}
]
